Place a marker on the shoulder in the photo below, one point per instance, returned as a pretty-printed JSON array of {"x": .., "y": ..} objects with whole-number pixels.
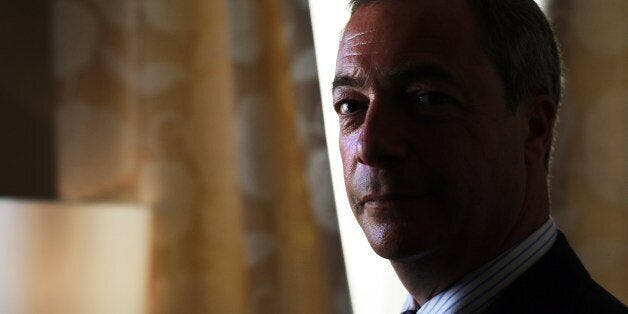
[
  {"x": 598, "y": 300},
  {"x": 557, "y": 283}
]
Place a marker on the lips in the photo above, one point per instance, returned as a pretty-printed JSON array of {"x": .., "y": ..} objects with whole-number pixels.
[
  {"x": 389, "y": 198},
  {"x": 388, "y": 191},
  {"x": 388, "y": 203}
]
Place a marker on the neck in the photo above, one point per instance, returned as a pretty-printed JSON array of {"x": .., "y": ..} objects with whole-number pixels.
[{"x": 429, "y": 274}]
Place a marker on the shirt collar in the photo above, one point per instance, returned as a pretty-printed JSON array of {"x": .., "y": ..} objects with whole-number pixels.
[{"x": 476, "y": 290}]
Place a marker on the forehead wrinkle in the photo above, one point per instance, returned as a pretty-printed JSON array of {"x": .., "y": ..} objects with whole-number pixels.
[
  {"x": 357, "y": 54},
  {"x": 369, "y": 43},
  {"x": 358, "y": 35},
  {"x": 369, "y": 47},
  {"x": 354, "y": 36}
]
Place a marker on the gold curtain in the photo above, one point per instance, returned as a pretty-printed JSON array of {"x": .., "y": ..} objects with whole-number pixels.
[
  {"x": 208, "y": 112},
  {"x": 589, "y": 188}
]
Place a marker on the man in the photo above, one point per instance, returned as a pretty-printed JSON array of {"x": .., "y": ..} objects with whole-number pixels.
[{"x": 446, "y": 111}]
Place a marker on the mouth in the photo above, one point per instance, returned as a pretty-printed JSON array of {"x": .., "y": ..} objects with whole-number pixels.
[{"x": 391, "y": 202}]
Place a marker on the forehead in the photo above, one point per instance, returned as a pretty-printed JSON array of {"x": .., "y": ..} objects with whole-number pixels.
[{"x": 384, "y": 35}]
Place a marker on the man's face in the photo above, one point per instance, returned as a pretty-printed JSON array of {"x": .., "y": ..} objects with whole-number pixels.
[{"x": 433, "y": 161}]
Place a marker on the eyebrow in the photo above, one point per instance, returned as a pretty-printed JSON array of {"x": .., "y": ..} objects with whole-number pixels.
[
  {"x": 402, "y": 75},
  {"x": 412, "y": 72},
  {"x": 347, "y": 81}
]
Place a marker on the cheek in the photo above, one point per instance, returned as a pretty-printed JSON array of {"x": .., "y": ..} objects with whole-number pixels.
[
  {"x": 355, "y": 175},
  {"x": 484, "y": 169},
  {"x": 466, "y": 160},
  {"x": 443, "y": 148},
  {"x": 348, "y": 151}
]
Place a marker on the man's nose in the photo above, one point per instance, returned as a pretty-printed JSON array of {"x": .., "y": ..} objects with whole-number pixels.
[{"x": 381, "y": 142}]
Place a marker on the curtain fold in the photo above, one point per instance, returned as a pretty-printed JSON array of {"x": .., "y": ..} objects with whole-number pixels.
[
  {"x": 292, "y": 257},
  {"x": 188, "y": 159},
  {"x": 206, "y": 112},
  {"x": 209, "y": 113}
]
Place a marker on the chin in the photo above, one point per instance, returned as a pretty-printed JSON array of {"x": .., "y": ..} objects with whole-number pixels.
[{"x": 398, "y": 243}]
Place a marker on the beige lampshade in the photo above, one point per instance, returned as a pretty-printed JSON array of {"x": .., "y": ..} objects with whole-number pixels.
[{"x": 73, "y": 258}]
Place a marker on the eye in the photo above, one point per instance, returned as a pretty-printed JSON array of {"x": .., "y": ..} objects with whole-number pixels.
[
  {"x": 433, "y": 99},
  {"x": 348, "y": 107}
]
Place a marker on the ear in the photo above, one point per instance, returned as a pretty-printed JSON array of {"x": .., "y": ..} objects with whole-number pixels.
[{"x": 539, "y": 114}]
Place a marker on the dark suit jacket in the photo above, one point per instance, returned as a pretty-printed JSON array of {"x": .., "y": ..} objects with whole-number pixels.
[{"x": 557, "y": 283}]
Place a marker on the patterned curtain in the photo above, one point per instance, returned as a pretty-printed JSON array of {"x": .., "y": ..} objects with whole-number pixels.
[
  {"x": 590, "y": 165},
  {"x": 208, "y": 112}
]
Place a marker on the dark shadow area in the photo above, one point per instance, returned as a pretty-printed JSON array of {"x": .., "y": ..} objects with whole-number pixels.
[{"x": 26, "y": 138}]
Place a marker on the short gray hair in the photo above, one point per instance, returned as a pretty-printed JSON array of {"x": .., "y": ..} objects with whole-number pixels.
[{"x": 520, "y": 43}]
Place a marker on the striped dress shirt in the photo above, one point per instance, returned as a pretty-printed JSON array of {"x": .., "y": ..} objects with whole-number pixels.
[{"x": 475, "y": 291}]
